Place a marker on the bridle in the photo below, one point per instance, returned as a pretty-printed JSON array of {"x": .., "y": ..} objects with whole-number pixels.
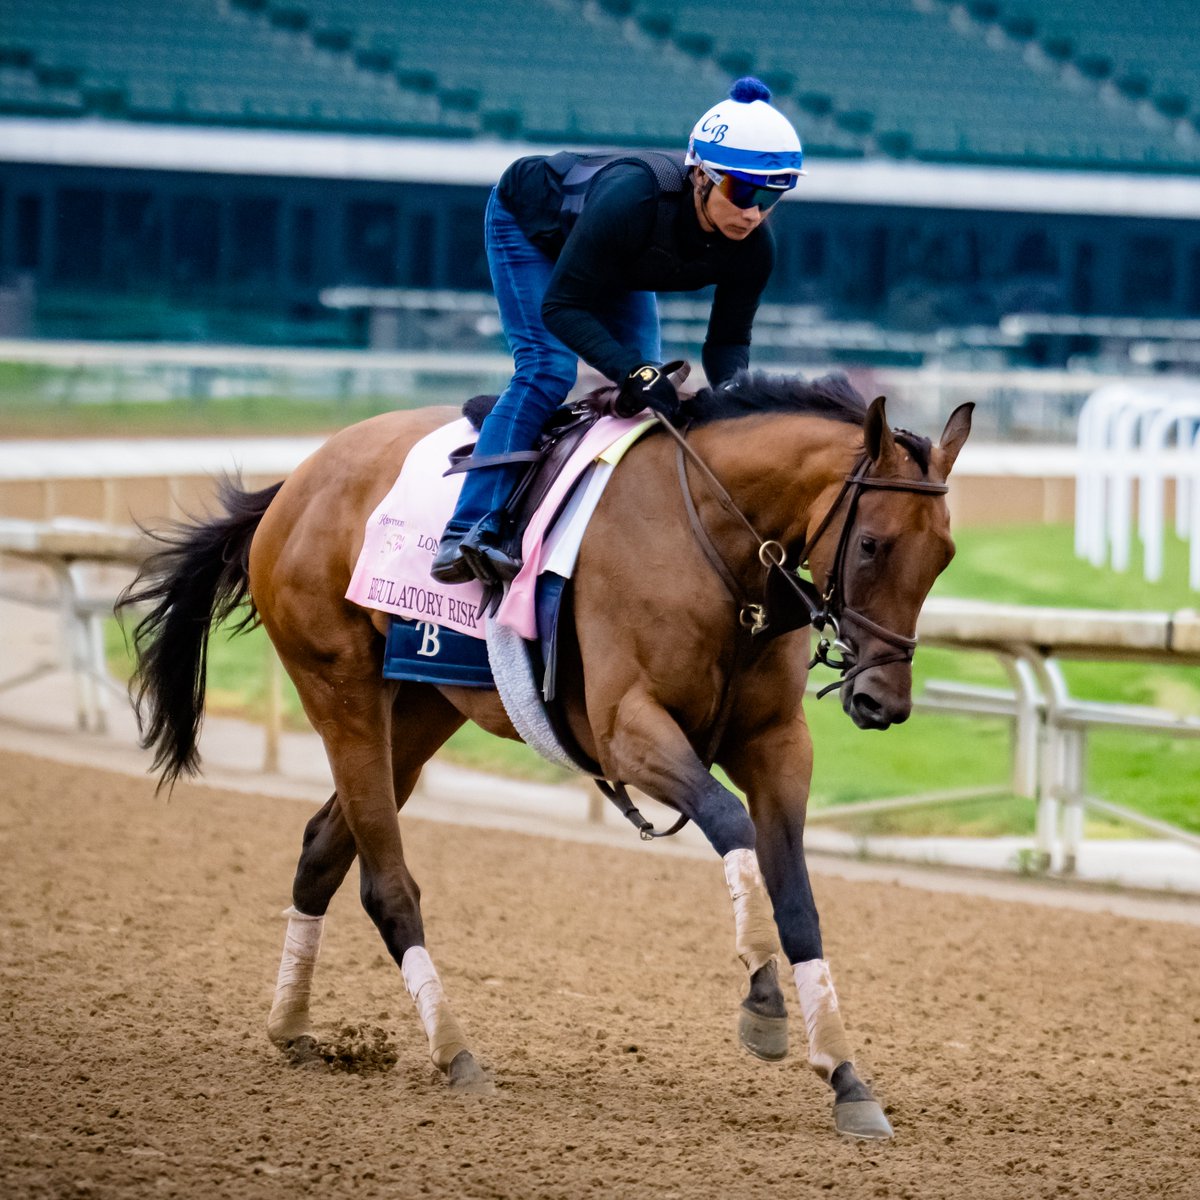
[
  {"x": 834, "y": 612},
  {"x": 828, "y": 611}
]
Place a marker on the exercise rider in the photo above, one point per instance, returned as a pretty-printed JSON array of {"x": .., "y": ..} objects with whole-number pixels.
[{"x": 578, "y": 244}]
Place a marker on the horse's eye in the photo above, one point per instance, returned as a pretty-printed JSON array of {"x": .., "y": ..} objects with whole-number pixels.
[{"x": 869, "y": 546}]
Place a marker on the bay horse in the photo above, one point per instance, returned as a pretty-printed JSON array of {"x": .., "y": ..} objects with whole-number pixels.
[{"x": 661, "y": 659}]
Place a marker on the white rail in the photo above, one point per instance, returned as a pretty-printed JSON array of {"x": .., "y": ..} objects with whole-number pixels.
[
  {"x": 1050, "y": 725},
  {"x": 69, "y": 550},
  {"x": 1144, "y": 434}
]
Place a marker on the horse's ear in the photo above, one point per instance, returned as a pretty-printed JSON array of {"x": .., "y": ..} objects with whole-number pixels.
[
  {"x": 953, "y": 436},
  {"x": 877, "y": 436}
]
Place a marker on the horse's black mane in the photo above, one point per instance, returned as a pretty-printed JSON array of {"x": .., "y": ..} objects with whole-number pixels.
[
  {"x": 747, "y": 393},
  {"x": 832, "y": 396}
]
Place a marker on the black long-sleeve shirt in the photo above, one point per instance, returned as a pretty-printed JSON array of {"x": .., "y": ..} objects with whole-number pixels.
[{"x": 611, "y": 250}]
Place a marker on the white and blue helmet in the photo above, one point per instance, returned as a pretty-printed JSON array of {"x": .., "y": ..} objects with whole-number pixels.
[{"x": 746, "y": 137}]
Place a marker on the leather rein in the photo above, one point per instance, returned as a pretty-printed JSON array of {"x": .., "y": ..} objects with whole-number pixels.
[{"x": 827, "y": 611}]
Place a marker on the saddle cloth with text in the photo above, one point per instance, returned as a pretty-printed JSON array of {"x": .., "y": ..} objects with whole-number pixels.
[{"x": 402, "y": 534}]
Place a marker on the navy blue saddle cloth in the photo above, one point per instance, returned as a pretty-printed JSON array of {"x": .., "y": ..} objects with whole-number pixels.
[{"x": 425, "y": 652}]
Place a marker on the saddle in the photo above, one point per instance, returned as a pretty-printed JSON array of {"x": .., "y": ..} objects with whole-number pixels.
[
  {"x": 565, "y": 428},
  {"x": 562, "y": 433}
]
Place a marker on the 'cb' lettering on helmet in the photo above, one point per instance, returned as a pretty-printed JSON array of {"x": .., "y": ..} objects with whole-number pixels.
[{"x": 716, "y": 133}]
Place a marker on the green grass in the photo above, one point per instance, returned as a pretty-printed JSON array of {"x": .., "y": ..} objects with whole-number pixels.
[
  {"x": 1021, "y": 565},
  {"x": 931, "y": 752}
]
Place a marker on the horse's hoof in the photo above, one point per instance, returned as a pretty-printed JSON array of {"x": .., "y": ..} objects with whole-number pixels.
[
  {"x": 862, "y": 1119},
  {"x": 303, "y": 1052},
  {"x": 466, "y": 1075},
  {"x": 288, "y": 1028},
  {"x": 764, "y": 1037}
]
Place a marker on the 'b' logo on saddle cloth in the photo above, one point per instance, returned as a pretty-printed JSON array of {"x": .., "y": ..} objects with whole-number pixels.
[{"x": 430, "y": 645}]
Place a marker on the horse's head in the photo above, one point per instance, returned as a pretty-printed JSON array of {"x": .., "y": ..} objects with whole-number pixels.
[{"x": 876, "y": 562}]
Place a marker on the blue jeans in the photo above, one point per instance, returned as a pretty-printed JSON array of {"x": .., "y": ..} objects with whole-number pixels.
[{"x": 544, "y": 368}]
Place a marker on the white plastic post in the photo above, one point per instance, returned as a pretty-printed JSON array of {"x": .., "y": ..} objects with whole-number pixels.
[
  {"x": 1073, "y": 742},
  {"x": 273, "y": 724},
  {"x": 1157, "y": 465}
]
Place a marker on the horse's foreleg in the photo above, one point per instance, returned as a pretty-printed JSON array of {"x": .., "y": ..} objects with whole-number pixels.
[
  {"x": 648, "y": 749},
  {"x": 762, "y": 1020},
  {"x": 775, "y": 768}
]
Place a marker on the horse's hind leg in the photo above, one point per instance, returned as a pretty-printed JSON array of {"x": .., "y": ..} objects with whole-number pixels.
[
  {"x": 333, "y": 837},
  {"x": 422, "y": 720},
  {"x": 325, "y": 858}
]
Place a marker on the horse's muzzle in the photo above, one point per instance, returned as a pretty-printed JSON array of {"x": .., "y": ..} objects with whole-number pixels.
[{"x": 874, "y": 707}]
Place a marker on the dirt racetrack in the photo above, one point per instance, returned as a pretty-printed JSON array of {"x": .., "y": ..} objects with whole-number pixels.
[{"x": 1021, "y": 1052}]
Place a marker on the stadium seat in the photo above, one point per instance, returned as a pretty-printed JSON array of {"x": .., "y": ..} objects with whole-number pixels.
[{"x": 1089, "y": 83}]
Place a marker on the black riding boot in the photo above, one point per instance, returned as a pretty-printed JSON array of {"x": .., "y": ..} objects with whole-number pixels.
[
  {"x": 483, "y": 551},
  {"x": 449, "y": 564},
  {"x": 475, "y": 553}
]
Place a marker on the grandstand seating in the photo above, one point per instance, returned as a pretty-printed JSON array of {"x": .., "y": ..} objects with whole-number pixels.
[
  {"x": 1147, "y": 51},
  {"x": 192, "y": 61},
  {"x": 914, "y": 76},
  {"x": 1089, "y": 83}
]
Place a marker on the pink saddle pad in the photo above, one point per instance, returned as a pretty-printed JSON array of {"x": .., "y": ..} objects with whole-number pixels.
[{"x": 392, "y": 572}]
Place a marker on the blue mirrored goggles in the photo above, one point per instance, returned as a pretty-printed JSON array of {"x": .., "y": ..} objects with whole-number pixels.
[{"x": 744, "y": 193}]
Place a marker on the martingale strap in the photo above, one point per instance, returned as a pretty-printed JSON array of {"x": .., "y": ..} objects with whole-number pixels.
[{"x": 618, "y": 794}]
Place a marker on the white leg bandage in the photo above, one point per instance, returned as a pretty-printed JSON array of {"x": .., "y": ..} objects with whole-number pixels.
[
  {"x": 289, "y": 1017},
  {"x": 441, "y": 1027},
  {"x": 754, "y": 932},
  {"x": 828, "y": 1046}
]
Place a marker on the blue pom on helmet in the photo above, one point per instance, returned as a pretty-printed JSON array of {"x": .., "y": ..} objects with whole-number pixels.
[
  {"x": 747, "y": 136},
  {"x": 748, "y": 88}
]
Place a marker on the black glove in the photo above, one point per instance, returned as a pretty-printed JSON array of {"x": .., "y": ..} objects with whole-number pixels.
[{"x": 647, "y": 386}]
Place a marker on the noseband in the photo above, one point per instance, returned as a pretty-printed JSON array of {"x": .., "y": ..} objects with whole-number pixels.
[{"x": 827, "y": 612}]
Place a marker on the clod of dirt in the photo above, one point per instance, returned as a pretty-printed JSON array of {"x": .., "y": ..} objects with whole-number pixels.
[{"x": 357, "y": 1050}]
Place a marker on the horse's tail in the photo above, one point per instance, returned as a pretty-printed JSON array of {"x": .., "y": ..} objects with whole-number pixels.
[{"x": 197, "y": 579}]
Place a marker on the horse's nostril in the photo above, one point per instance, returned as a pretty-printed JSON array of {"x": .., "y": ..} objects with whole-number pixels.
[{"x": 867, "y": 712}]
